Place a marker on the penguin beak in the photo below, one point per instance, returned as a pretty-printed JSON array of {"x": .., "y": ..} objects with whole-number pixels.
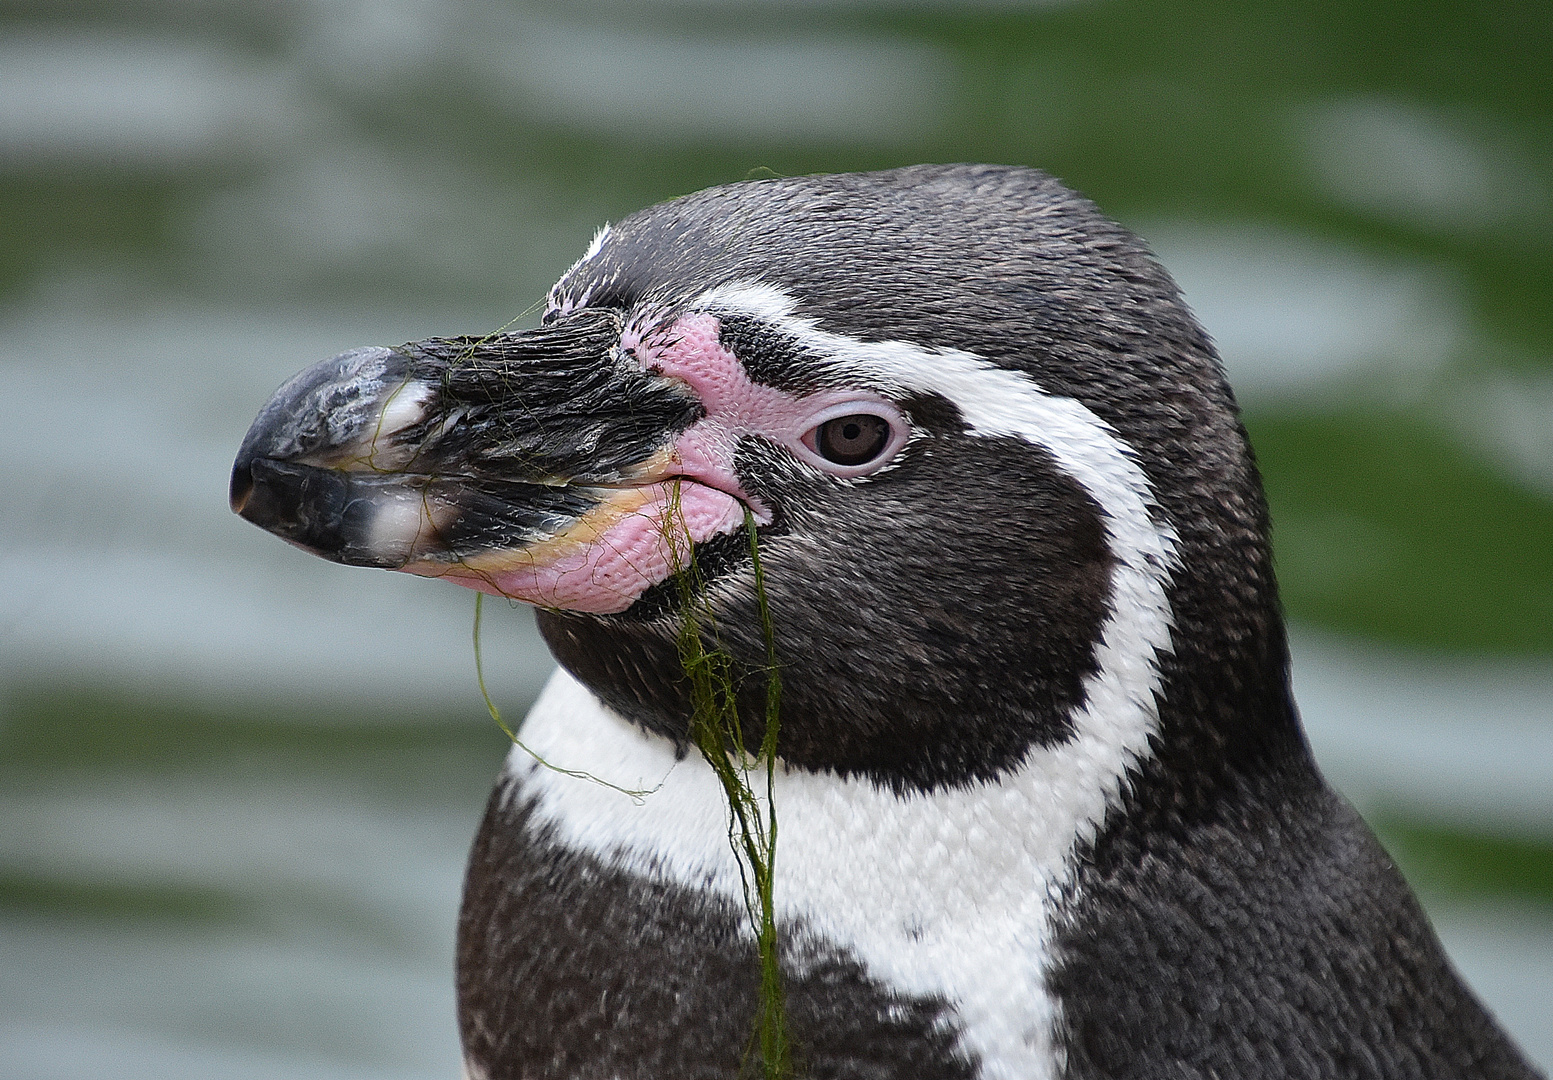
[{"x": 499, "y": 462}]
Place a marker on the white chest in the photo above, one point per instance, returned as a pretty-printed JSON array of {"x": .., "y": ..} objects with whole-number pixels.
[{"x": 947, "y": 894}]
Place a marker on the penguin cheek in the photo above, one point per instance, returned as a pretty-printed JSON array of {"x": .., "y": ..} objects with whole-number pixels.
[{"x": 637, "y": 538}]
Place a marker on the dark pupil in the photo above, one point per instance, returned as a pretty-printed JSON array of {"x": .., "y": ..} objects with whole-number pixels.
[{"x": 853, "y": 440}]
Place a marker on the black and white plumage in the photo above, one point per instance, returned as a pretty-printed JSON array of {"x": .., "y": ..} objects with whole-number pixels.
[{"x": 1045, "y": 807}]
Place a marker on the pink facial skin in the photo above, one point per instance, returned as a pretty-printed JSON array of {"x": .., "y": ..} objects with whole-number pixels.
[
  {"x": 690, "y": 350},
  {"x": 623, "y": 548},
  {"x": 609, "y": 558}
]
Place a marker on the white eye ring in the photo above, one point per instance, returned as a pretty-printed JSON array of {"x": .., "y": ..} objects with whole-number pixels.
[{"x": 848, "y": 450}]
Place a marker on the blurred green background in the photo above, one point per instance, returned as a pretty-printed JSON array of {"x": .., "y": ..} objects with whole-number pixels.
[{"x": 237, "y": 783}]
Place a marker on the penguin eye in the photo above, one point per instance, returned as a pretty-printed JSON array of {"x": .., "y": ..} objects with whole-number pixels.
[{"x": 852, "y": 440}]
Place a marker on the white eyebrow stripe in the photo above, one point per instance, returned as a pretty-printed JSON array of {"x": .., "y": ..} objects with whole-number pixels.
[{"x": 993, "y": 401}]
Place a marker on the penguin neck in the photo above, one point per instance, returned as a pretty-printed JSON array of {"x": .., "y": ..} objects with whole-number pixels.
[{"x": 1226, "y": 715}]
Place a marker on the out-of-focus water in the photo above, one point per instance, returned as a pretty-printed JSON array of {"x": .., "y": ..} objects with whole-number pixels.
[{"x": 237, "y": 783}]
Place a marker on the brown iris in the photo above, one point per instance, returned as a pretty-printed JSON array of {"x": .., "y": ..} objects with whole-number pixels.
[{"x": 852, "y": 440}]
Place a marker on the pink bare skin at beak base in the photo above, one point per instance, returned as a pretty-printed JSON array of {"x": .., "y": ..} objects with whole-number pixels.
[
  {"x": 611, "y": 557},
  {"x": 624, "y": 547}
]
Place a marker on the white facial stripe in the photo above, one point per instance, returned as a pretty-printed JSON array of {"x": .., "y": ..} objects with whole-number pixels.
[
  {"x": 997, "y": 401},
  {"x": 947, "y": 893}
]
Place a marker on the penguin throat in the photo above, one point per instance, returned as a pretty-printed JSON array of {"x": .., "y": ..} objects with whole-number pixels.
[{"x": 891, "y": 719}]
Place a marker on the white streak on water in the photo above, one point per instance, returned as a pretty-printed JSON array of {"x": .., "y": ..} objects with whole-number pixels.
[
  {"x": 1425, "y": 167},
  {"x": 339, "y": 970},
  {"x": 704, "y": 87},
  {"x": 1508, "y": 416},
  {"x": 704, "y": 80},
  {"x": 104, "y": 98},
  {"x": 1304, "y": 318},
  {"x": 1452, "y": 738}
]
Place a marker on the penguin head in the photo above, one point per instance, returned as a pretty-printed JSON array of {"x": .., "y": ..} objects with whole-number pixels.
[{"x": 996, "y": 476}]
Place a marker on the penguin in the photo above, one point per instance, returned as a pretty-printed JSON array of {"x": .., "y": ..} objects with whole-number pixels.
[{"x": 1045, "y": 808}]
